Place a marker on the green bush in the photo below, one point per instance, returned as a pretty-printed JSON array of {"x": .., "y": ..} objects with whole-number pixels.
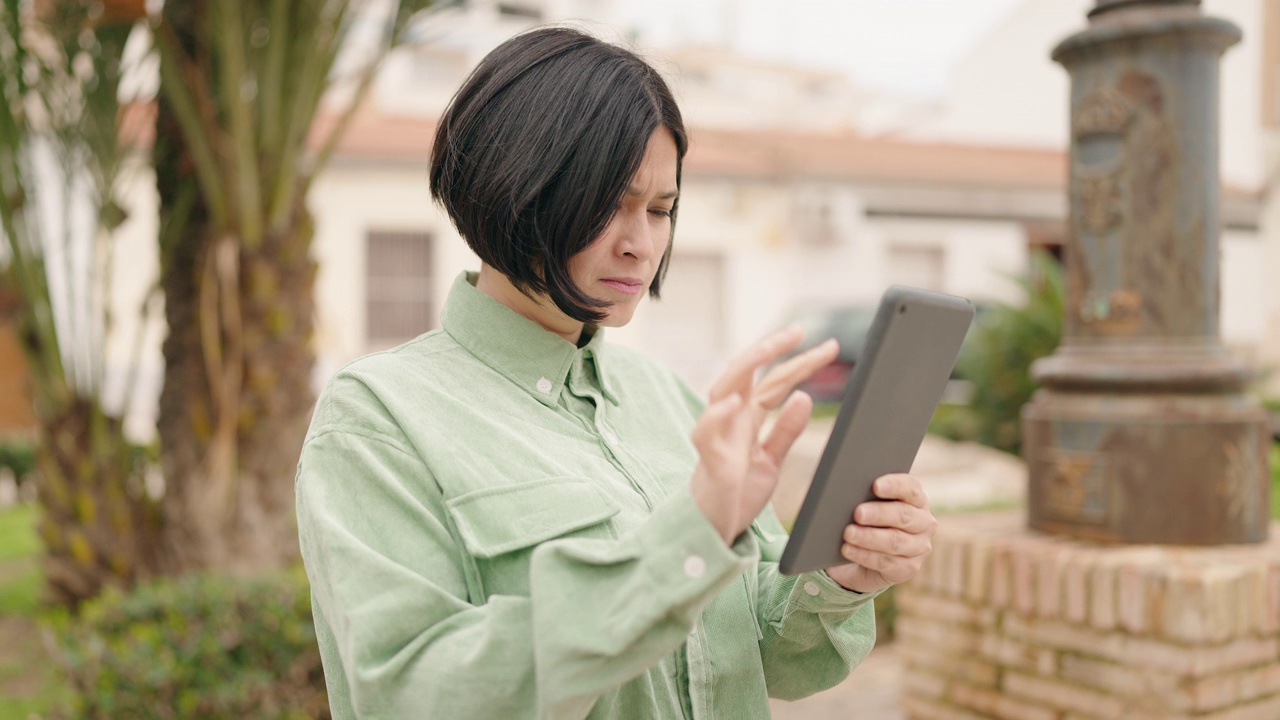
[
  {"x": 200, "y": 648},
  {"x": 19, "y": 456},
  {"x": 998, "y": 359}
]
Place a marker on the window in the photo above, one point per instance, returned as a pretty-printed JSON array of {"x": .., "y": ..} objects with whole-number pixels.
[{"x": 398, "y": 287}]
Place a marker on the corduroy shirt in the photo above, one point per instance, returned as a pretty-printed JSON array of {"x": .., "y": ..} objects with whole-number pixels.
[{"x": 498, "y": 524}]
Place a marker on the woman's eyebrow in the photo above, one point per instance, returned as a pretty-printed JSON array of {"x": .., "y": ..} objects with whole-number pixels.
[{"x": 668, "y": 195}]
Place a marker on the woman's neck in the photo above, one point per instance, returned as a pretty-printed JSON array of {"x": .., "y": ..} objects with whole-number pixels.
[{"x": 541, "y": 310}]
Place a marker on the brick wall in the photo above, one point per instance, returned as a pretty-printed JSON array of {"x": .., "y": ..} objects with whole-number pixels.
[
  {"x": 16, "y": 415},
  {"x": 1005, "y": 623}
]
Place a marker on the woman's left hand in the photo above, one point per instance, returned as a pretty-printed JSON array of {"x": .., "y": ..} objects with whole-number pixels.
[{"x": 889, "y": 539}]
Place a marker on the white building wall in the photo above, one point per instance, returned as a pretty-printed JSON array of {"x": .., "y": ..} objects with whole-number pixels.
[
  {"x": 1009, "y": 92},
  {"x": 1244, "y": 278},
  {"x": 134, "y": 341},
  {"x": 349, "y": 201}
]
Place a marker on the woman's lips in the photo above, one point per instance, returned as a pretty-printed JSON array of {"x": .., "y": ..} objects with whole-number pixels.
[{"x": 624, "y": 286}]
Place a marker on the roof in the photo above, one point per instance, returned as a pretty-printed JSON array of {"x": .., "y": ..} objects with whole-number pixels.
[
  {"x": 765, "y": 154},
  {"x": 747, "y": 154}
]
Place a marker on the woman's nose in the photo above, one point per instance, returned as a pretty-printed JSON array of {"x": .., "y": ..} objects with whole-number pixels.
[{"x": 634, "y": 238}]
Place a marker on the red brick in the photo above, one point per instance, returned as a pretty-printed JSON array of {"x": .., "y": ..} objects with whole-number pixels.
[
  {"x": 938, "y": 635},
  {"x": 1075, "y": 587},
  {"x": 1024, "y": 599},
  {"x": 1143, "y": 688},
  {"x": 1102, "y": 593},
  {"x": 1014, "y": 654},
  {"x": 937, "y": 607},
  {"x": 921, "y": 709},
  {"x": 997, "y": 705},
  {"x": 1144, "y": 652},
  {"x": 1063, "y": 696},
  {"x": 969, "y": 667},
  {"x": 978, "y": 574},
  {"x": 1001, "y": 594}
]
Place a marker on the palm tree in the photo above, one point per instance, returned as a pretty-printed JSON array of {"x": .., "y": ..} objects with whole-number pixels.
[
  {"x": 61, "y": 65},
  {"x": 241, "y": 85}
]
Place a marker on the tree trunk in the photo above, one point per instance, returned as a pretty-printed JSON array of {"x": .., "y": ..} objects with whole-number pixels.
[
  {"x": 97, "y": 523},
  {"x": 237, "y": 392}
]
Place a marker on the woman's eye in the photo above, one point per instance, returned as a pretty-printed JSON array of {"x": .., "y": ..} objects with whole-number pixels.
[{"x": 661, "y": 212}]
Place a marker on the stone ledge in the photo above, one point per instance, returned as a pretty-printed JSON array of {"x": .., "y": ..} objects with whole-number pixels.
[
  {"x": 1181, "y": 594},
  {"x": 1007, "y": 622}
]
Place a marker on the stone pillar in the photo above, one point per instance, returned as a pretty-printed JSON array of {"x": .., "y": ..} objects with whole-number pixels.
[
  {"x": 1142, "y": 431},
  {"x": 1141, "y": 444}
]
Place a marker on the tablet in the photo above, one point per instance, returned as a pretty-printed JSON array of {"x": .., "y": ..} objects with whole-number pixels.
[{"x": 890, "y": 398}]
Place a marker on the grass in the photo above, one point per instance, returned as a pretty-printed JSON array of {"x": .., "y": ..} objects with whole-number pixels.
[
  {"x": 28, "y": 681},
  {"x": 18, "y": 533}
]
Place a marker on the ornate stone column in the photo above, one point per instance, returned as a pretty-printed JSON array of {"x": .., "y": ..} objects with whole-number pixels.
[{"x": 1142, "y": 432}]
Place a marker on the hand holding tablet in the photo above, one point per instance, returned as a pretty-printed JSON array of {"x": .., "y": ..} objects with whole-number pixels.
[{"x": 911, "y": 348}]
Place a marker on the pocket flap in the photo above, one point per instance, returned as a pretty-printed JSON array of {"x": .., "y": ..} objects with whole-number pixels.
[{"x": 498, "y": 520}]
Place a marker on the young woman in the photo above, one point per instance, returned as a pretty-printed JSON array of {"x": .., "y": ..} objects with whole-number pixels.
[{"x": 510, "y": 518}]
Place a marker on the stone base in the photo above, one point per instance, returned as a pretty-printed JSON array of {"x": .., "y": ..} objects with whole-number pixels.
[{"x": 1008, "y": 623}]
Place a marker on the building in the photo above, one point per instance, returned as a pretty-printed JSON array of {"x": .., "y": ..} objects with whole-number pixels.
[{"x": 777, "y": 214}]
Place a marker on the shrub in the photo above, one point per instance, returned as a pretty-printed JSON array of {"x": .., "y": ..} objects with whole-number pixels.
[
  {"x": 998, "y": 361},
  {"x": 198, "y": 648},
  {"x": 19, "y": 457}
]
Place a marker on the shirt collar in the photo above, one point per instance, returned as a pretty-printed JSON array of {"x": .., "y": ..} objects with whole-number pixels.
[{"x": 524, "y": 352}]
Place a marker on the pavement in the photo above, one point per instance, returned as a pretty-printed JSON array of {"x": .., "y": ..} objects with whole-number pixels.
[{"x": 956, "y": 476}]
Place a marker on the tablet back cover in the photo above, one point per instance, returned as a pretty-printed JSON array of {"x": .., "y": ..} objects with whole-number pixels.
[{"x": 889, "y": 401}]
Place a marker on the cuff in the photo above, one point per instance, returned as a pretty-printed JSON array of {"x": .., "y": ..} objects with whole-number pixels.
[
  {"x": 815, "y": 591},
  {"x": 686, "y": 555}
]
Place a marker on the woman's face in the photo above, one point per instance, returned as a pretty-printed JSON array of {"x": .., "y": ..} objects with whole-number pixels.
[{"x": 619, "y": 266}]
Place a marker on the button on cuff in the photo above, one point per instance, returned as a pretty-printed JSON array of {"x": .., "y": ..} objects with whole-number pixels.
[{"x": 817, "y": 591}]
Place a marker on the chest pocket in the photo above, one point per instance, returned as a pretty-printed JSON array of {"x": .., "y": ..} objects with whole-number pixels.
[{"x": 500, "y": 526}]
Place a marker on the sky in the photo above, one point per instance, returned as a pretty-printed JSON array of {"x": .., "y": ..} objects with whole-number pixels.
[{"x": 906, "y": 46}]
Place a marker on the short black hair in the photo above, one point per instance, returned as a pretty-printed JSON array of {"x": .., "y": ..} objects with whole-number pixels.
[{"x": 536, "y": 149}]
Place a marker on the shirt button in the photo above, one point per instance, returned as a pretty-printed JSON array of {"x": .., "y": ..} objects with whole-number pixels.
[
  {"x": 694, "y": 567},
  {"x": 544, "y": 385},
  {"x": 811, "y": 587}
]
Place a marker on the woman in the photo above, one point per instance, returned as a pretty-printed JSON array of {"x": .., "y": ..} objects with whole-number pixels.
[{"x": 509, "y": 518}]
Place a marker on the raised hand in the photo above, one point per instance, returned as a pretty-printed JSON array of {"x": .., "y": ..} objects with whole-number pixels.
[{"x": 737, "y": 472}]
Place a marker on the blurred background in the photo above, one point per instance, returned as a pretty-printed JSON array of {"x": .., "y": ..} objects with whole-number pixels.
[{"x": 209, "y": 209}]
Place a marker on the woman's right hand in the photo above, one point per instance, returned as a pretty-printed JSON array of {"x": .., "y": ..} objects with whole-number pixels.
[{"x": 737, "y": 471}]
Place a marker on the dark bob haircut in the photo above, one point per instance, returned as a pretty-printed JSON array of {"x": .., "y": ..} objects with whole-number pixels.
[{"x": 536, "y": 150}]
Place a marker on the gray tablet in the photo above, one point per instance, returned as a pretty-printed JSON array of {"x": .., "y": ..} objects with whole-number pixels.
[{"x": 890, "y": 398}]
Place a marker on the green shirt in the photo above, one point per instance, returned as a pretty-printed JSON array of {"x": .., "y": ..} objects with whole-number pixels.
[{"x": 498, "y": 524}]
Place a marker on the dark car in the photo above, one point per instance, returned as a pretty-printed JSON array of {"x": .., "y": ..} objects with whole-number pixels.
[{"x": 849, "y": 324}]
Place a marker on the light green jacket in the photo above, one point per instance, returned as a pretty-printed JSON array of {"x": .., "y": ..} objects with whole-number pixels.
[{"x": 497, "y": 524}]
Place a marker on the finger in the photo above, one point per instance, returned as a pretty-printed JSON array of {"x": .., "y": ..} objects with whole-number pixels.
[
  {"x": 715, "y": 419},
  {"x": 740, "y": 373},
  {"x": 888, "y": 541},
  {"x": 790, "y": 424},
  {"x": 893, "y": 568},
  {"x": 895, "y": 514},
  {"x": 781, "y": 380},
  {"x": 901, "y": 486}
]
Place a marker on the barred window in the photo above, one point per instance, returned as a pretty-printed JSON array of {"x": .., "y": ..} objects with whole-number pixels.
[{"x": 398, "y": 287}]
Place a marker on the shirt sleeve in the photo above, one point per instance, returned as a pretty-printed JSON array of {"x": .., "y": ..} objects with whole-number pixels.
[
  {"x": 389, "y": 579},
  {"x": 814, "y": 632}
]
